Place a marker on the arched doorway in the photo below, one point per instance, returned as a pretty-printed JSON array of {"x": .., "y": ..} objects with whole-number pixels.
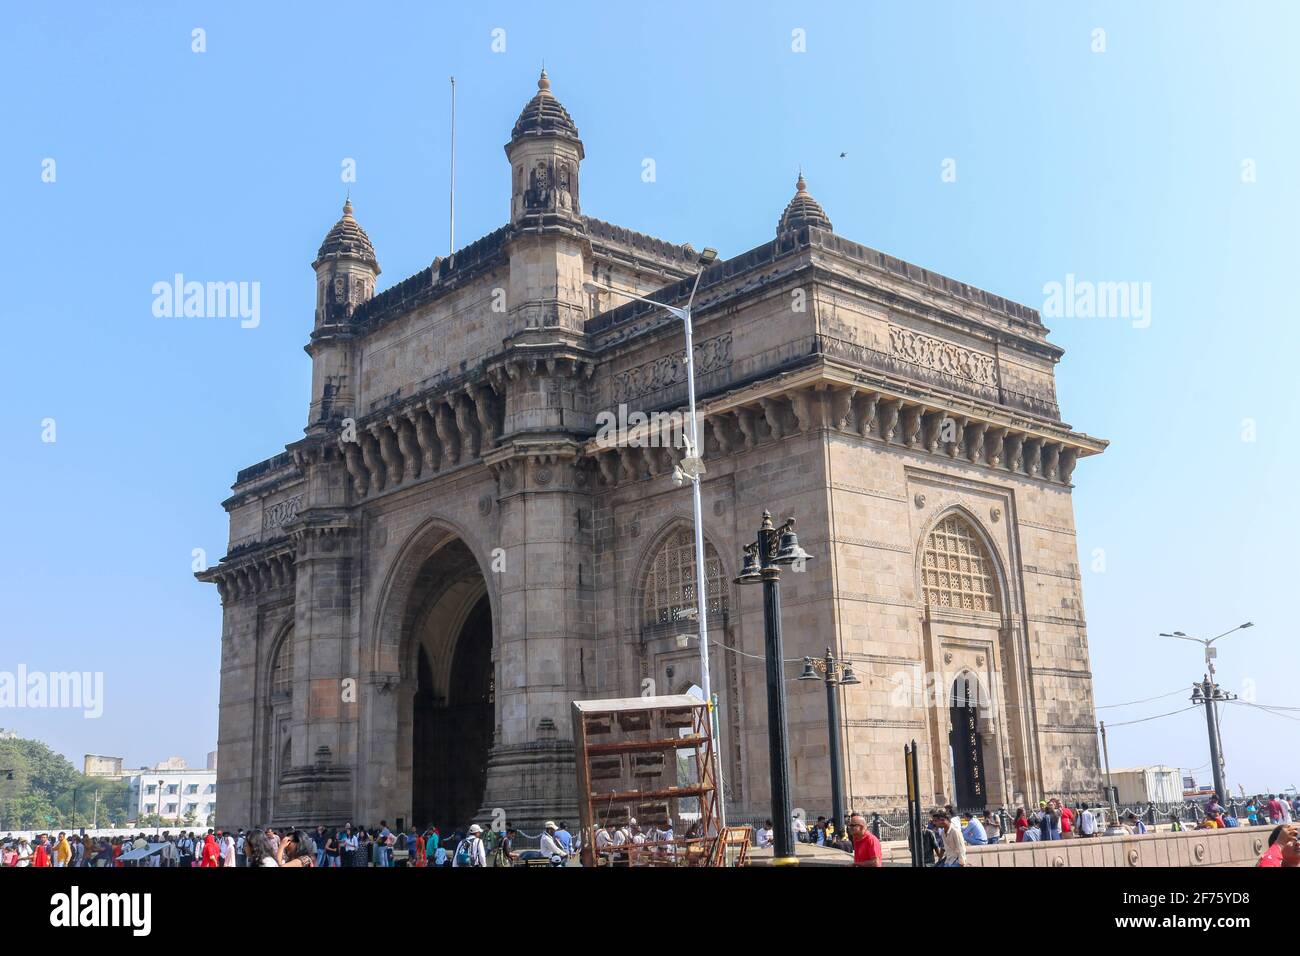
[
  {"x": 969, "y": 784},
  {"x": 967, "y": 634},
  {"x": 447, "y": 712}
]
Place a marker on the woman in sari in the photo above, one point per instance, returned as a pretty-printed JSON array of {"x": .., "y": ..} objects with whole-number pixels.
[{"x": 211, "y": 852}]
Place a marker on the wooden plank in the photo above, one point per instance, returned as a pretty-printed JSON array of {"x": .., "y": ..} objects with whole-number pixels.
[
  {"x": 634, "y": 746},
  {"x": 628, "y": 796}
]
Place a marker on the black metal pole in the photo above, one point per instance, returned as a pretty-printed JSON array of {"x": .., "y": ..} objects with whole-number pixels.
[
  {"x": 1209, "y": 691},
  {"x": 833, "y": 719},
  {"x": 783, "y": 835},
  {"x": 914, "y": 803},
  {"x": 912, "y": 835}
]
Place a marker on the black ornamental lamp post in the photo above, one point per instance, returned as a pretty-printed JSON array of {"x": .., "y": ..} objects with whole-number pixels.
[
  {"x": 833, "y": 677},
  {"x": 775, "y": 548}
]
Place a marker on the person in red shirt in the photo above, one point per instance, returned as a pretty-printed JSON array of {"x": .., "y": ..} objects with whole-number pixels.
[
  {"x": 1274, "y": 809},
  {"x": 1279, "y": 841},
  {"x": 1067, "y": 821},
  {"x": 866, "y": 845}
]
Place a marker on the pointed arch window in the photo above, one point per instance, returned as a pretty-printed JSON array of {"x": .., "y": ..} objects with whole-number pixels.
[
  {"x": 956, "y": 570},
  {"x": 670, "y": 582},
  {"x": 282, "y": 668}
]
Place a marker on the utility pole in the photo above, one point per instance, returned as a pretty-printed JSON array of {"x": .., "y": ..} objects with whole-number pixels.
[
  {"x": 1208, "y": 693},
  {"x": 94, "y": 820},
  {"x": 1110, "y": 790},
  {"x": 1211, "y": 652}
]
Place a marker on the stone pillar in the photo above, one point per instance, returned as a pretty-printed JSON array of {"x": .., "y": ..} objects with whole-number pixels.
[
  {"x": 543, "y": 638},
  {"x": 236, "y": 726},
  {"x": 318, "y": 783}
]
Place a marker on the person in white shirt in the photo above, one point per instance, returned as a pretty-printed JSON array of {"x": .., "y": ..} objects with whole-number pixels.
[
  {"x": 550, "y": 847},
  {"x": 473, "y": 846},
  {"x": 954, "y": 845},
  {"x": 620, "y": 838},
  {"x": 349, "y": 844},
  {"x": 800, "y": 827},
  {"x": 603, "y": 843},
  {"x": 228, "y": 850},
  {"x": 765, "y": 835},
  {"x": 1087, "y": 822}
]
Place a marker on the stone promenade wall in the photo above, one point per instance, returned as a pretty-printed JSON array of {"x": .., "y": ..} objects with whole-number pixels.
[{"x": 1237, "y": 846}]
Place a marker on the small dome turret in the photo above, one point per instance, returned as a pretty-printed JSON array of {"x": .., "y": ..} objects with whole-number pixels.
[
  {"x": 347, "y": 240},
  {"x": 544, "y": 115},
  {"x": 802, "y": 211}
]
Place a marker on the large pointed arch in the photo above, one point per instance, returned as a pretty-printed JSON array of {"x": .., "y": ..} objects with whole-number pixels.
[
  {"x": 394, "y": 608},
  {"x": 663, "y": 597},
  {"x": 431, "y": 656},
  {"x": 968, "y": 605}
]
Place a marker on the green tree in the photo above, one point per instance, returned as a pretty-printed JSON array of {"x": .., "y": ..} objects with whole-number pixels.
[{"x": 47, "y": 792}]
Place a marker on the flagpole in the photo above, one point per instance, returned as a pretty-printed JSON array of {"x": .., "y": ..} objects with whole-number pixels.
[{"x": 452, "y": 225}]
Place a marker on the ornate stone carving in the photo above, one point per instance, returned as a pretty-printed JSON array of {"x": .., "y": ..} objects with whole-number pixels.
[
  {"x": 889, "y": 419},
  {"x": 710, "y": 355},
  {"x": 941, "y": 356},
  {"x": 280, "y": 512},
  {"x": 866, "y": 413}
]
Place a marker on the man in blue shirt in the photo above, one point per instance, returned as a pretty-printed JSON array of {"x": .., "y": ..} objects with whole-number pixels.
[
  {"x": 564, "y": 837},
  {"x": 974, "y": 832}
]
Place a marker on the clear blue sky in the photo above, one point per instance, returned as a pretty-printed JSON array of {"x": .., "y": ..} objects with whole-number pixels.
[{"x": 1117, "y": 166}]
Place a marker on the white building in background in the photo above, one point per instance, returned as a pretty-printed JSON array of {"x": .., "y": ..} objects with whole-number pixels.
[
  {"x": 173, "y": 790},
  {"x": 98, "y": 765},
  {"x": 1142, "y": 785}
]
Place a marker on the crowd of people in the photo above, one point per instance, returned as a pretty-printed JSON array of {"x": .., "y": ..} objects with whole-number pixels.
[
  {"x": 949, "y": 833},
  {"x": 946, "y": 837},
  {"x": 345, "y": 846}
]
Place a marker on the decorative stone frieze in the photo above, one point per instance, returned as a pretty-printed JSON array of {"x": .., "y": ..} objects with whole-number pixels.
[{"x": 941, "y": 356}]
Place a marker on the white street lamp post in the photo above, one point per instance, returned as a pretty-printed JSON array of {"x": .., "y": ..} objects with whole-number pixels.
[{"x": 691, "y": 469}]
